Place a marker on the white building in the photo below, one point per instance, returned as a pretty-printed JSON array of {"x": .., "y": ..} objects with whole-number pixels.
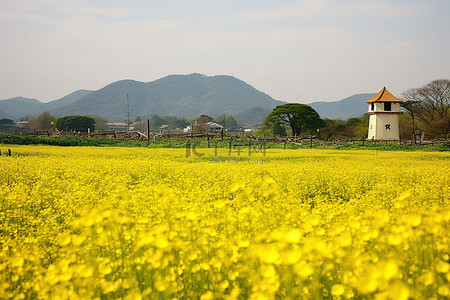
[{"x": 384, "y": 109}]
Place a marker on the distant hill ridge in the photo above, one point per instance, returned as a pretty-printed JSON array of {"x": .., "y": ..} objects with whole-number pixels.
[
  {"x": 177, "y": 95},
  {"x": 351, "y": 107}
]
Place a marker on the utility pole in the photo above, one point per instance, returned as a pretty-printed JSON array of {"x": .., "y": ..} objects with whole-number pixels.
[{"x": 128, "y": 114}]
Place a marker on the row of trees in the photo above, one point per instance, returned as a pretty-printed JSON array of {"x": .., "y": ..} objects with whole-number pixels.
[
  {"x": 301, "y": 118},
  {"x": 428, "y": 108},
  {"x": 156, "y": 122},
  {"x": 47, "y": 121},
  {"x": 427, "y": 111}
]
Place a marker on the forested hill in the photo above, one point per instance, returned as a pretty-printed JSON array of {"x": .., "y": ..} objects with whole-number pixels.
[{"x": 176, "y": 95}]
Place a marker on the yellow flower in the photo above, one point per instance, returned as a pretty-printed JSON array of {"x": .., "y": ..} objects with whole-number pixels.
[
  {"x": 442, "y": 267},
  {"x": 337, "y": 290},
  {"x": 293, "y": 236},
  {"x": 444, "y": 290},
  {"x": 207, "y": 296}
]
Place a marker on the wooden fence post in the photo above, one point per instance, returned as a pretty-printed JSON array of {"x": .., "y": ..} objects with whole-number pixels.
[
  {"x": 9, "y": 152},
  {"x": 148, "y": 130}
]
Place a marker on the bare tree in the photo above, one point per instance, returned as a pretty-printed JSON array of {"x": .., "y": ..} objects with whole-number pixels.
[
  {"x": 199, "y": 125},
  {"x": 43, "y": 121},
  {"x": 410, "y": 107},
  {"x": 431, "y": 105}
]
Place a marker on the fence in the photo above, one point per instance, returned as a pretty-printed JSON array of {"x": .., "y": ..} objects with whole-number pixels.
[{"x": 310, "y": 141}]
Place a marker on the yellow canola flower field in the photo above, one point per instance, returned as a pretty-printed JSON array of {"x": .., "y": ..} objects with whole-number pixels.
[{"x": 138, "y": 223}]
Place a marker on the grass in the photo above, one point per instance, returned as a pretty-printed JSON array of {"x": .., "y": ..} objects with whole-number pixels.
[{"x": 106, "y": 142}]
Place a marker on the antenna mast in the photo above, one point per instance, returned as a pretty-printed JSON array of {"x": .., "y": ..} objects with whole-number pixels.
[{"x": 128, "y": 114}]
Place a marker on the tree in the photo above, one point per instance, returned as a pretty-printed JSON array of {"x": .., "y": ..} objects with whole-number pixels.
[
  {"x": 43, "y": 122},
  {"x": 226, "y": 121},
  {"x": 175, "y": 122},
  {"x": 78, "y": 123},
  {"x": 6, "y": 125},
  {"x": 199, "y": 125},
  {"x": 431, "y": 105},
  {"x": 100, "y": 123},
  {"x": 7, "y": 122},
  {"x": 156, "y": 121},
  {"x": 353, "y": 128},
  {"x": 300, "y": 117},
  {"x": 279, "y": 130},
  {"x": 409, "y": 106}
]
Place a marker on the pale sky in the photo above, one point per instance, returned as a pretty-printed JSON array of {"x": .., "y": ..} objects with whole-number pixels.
[{"x": 293, "y": 50}]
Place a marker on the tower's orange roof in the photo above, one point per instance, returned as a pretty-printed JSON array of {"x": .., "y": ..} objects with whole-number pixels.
[{"x": 384, "y": 96}]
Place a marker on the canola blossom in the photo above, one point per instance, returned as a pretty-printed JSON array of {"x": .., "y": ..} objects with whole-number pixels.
[{"x": 135, "y": 223}]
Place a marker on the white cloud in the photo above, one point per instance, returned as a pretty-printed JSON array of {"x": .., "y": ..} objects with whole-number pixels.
[
  {"x": 87, "y": 10},
  {"x": 16, "y": 17},
  {"x": 333, "y": 8}
]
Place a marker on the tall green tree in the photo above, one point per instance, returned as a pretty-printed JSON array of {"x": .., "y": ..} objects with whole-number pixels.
[
  {"x": 227, "y": 121},
  {"x": 300, "y": 117},
  {"x": 277, "y": 129},
  {"x": 156, "y": 121},
  {"x": 78, "y": 123},
  {"x": 100, "y": 123}
]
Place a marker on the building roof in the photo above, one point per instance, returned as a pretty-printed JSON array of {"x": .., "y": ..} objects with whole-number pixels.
[
  {"x": 384, "y": 96},
  {"x": 214, "y": 125},
  {"x": 116, "y": 124}
]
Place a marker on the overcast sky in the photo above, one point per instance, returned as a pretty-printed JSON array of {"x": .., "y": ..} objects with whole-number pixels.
[{"x": 293, "y": 50}]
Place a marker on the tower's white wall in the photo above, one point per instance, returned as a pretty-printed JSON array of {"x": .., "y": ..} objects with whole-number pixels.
[
  {"x": 383, "y": 127},
  {"x": 372, "y": 127}
]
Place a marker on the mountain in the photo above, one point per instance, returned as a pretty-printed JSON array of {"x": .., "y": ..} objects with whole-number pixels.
[
  {"x": 351, "y": 107},
  {"x": 252, "y": 116},
  {"x": 196, "y": 94},
  {"x": 19, "y": 107},
  {"x": 110, "y": 102},
  {"x": 176, "y": 95},
  {"x": 4, "y": 115},
  {"x": 66, "y": 100}
]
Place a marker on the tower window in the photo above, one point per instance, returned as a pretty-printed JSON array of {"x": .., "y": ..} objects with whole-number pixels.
[
  {"x": 387, "y": 106},
  {"x": 372, "y": 106}
]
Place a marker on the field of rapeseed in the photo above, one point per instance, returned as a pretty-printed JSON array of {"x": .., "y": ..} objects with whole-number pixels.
[{"x": 139, "y": 223}]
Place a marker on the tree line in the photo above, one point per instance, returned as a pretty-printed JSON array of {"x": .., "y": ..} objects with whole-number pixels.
[
  {"x": 48, "y": 122},
  {"x": 426, "y": 110}
]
